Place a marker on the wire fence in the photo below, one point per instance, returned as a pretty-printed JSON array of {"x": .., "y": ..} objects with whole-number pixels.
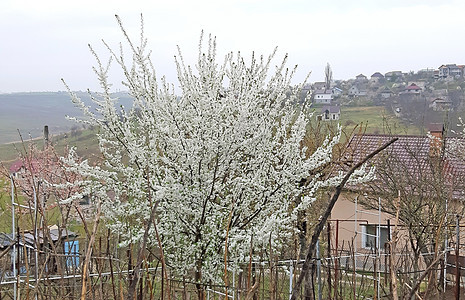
[{"x": 343, "y": 275}]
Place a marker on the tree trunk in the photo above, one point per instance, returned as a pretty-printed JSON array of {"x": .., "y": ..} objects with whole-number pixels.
[{"x": 198, "y": 279}]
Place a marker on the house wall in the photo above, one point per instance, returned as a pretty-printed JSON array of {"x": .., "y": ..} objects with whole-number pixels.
[
  {"x": 351, "y": 222},
  {"x": 323, "y": 98},
  {"x": 329, "y": 117}
]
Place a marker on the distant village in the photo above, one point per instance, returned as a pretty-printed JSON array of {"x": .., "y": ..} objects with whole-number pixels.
[{"x": 434, "y": 90}]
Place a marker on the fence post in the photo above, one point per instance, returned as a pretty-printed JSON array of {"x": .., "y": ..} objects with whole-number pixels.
[
  {"x": 291, "y": 275},
  {"x": 457, "y": 265},
  {"x": 318, "y": 267},
  {"x": 329, "y": 259}
]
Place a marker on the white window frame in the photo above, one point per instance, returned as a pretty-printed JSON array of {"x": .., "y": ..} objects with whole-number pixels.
[{"x": 365, "y": 235}]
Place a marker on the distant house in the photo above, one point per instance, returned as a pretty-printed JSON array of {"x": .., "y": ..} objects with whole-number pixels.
[
  {"x": 386, "y": 93},
  {"x": 361, "y": 78},
  {"x": 420, "y": 84},
  {"x": 412, "y": 89},
  {"x": 330, "y": 113},
  {"x": 336, "y": 91},
  {"x": 357, "y": 90},
  {"x": 18, "y": 168},
  {"x": 376, "y": 77},
  {"x": 62, "y": 238},
  {"x": 450, "y": 71},
  {"x": 319, "y": 85},
  {"x": 441, "y": 104},
  {"x": 393, "y": 76},
  {"x": 323, "y": 97}
]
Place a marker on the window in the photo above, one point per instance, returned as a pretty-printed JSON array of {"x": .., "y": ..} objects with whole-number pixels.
[{"x": 370, "y": 234}]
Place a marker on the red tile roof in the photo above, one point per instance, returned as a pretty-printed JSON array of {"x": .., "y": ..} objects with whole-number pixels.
[
  {"x": 413, "y": 155},
  {"x": 16, "y": 166},
  {"x": 414, "y": 87},
  {"x": 19, "y": 164}
]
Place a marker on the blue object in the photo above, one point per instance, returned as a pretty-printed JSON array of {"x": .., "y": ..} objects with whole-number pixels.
[{"x": 72, "y": 254}]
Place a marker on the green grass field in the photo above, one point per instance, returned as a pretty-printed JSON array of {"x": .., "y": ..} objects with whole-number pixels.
[
  {"x": 374, "y": 119},
  {"x": 87, "y": 147},
  {"x": 85, "y": 142}
]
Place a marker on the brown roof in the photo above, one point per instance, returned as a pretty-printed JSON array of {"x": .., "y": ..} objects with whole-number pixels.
[
  {"x": 436, "y": 127},
  {"x": 377, "y": 74},
  {"x": 413, "y": 86},
  {"x": 331, "y": 109},
  {"x": 16, "y": 166},
  {"x": 19, "y": 164},
  {"x": 411, "y": 154}
]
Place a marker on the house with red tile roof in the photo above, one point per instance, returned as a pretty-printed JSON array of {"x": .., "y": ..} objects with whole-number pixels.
[
  {"x": 431, "y": 160},
  {"x": 18, "y": 167},
  {"x": 412, "y": 89}
]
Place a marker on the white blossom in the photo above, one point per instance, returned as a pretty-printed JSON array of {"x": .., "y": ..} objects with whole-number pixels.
[{"x": 224, "y": 154}]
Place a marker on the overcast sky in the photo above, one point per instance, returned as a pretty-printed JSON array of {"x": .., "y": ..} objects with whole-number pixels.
[{"x": 44, "y": 41}]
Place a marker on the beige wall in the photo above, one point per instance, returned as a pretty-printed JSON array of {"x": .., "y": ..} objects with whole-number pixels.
[{"x": 351, "y": 220}]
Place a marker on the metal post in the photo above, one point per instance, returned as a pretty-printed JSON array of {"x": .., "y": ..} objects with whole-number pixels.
[
  {"x": 355, "y": 230},
  {"x": 13, "y": 253},
  {"x": 318, "y": 268},
  {"x": 379, "y": 246},
  {"x": 36, "y": 238},
  {"x": 329, "y": 260},
  {"x": 291, "y": 275},
  {"x": 457, "y": 265},
  {"x": 446, "y": 249},
  {"x": 234, "y": 285},
  {"x": 336, "y": 263}
]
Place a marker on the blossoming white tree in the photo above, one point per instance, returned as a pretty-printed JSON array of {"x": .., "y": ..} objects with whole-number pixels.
[{"x": 213, "y": 170}]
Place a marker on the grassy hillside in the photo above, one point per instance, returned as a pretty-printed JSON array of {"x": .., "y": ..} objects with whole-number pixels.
[
  {"x": 85, "y": 142},
  {"x": 375, "y": 119},
  {"x": 29, "y": 112},
  {"x": 23, "y": 218},
  {"x": 87, "y": 147}
]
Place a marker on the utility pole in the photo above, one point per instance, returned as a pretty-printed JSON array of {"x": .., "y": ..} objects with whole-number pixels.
[{"x": 46, "y": 136}]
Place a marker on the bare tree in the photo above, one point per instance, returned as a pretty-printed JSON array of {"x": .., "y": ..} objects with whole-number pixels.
[{"x": 328, "y": 76}]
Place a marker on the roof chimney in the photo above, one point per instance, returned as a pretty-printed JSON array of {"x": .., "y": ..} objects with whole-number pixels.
[{"x": 437, "y": 142}]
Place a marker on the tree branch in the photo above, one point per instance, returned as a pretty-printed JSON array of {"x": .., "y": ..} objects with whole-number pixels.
[{"x": 321, "y": 224}]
